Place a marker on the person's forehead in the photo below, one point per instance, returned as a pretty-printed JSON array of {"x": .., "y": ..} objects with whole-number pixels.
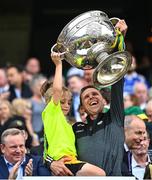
[
  {"x": 4, "y": 105},
  {"x": 140, "y": 87},
  {"x": 66, "y": 96},
  {"x": 2, "y": 73},
  {"x": 138, "y": 126},
  {"x": 90, "y": 90},
  {"x": 33, "y": 60},
  {"x": 88, "y": 71},
  {"x": 12, "y": 70},
  {"x": 73, "y": 79},
  {"x": 14, "y": 137}
]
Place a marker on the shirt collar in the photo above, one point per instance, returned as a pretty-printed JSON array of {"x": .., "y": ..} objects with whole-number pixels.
[
  {"x": 135, "y": 164},
  {"x": 7, "y": 162},
  {"x": 126, "y": 147}
]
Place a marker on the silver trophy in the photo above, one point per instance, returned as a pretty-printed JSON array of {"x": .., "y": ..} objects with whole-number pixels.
[{"x": 89, "y": 41}]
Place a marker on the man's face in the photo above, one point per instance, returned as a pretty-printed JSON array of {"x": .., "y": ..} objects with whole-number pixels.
[
  {"x": 127, "y": 101},
  {"x": 33, "y": 66},
  {"x": 75, "y": 84},
  {"x": 141, "y": 93},
  {"x": 92, "y": 101},
  {"x": 135, "y": 134},
  {"x": 14, "y": 148},
  {"x": 88, "y": 75},
  {"x": 144, "y": 145},
  {"x": 14, "y": 77},
  {"x": 149, "y": 114}
]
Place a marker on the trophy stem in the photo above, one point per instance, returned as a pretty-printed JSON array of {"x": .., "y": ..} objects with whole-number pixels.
[{"x": 102, "y": 56}]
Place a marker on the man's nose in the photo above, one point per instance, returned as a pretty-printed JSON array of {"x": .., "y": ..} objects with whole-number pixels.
[
  {"x": 90, "y": 96},
  {"x": 18, "y": 149},
  {"x": 141, "y": 142},
  {"x": 142, "y": 137},
  {"x": 67, "y": 105}
]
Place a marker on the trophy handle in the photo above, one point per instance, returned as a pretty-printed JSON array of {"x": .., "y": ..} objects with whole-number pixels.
[
  {"x": 57, "y": 50},
  {"x": 114, "y": 20}
]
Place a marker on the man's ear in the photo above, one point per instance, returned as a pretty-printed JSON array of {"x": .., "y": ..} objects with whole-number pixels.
[{"x": 2, "y": 147}]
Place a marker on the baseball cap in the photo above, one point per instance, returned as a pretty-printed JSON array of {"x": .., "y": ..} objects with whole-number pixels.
[
  {"x": 136, "y": 110},
  {"x": 73, "y": 71}
]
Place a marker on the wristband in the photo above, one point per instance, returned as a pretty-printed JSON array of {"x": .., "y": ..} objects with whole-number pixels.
[{"x": 48, "y": 161}]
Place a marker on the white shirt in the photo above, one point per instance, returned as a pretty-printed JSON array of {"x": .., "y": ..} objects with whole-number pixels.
[
  {"x": 126, "y": 147},
  {"x": 137, "y": 170},
  {"x": 18, "y": 93},
  {"x": 4, "y": 89}
]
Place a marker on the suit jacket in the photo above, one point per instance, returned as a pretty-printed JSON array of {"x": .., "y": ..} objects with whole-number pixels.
[
  {"x": 25, "y": 92},
  {"x": 126, "y": 164},
  {"x": 39, "y": 168}
]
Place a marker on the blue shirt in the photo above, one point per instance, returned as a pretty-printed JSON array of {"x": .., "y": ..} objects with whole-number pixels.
[
  {"x": 20, "y": 170},
  {"x": 76, "y": 103},
  {"x": 131, "y": 79}
]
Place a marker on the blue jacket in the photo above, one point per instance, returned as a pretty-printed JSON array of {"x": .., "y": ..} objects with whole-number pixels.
[{"x": 39, "y": 168}]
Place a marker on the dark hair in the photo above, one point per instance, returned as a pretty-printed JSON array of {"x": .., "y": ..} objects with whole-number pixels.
[
  {"x": 83, "y": 89},
  {"x": 19, "y": 68}
]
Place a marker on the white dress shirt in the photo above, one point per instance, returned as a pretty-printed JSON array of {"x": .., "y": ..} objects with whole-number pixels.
[{"x": 137, "y": 170}]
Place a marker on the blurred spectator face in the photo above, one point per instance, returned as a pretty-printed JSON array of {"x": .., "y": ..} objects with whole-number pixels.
[
  {"x": 83, "y": 114},
  {"x": 127, "y": 101},
  {"x": 22, "y": 107},
  {"x": 14, "y": 148},
  {"x": 133, "y": 65},
  {"x": 33, "y": 66},
  {"x": 75, "y": 84},
  {"x": 3, "y": 78},
  {"x": 141, "y": 92},
  {"x": 88, "y": 73},
  {"x": 5, "y": 110},
  {"x": 149, "y": 110},
  {"x": 149, "y": 114},
  {"x": 135, "y": 134},
  {"x": 27, "y": 76},
  {"x": 144, "y": 145},
  {"x": 14, "y": 76},
  {"x": 37, "y": 85}
]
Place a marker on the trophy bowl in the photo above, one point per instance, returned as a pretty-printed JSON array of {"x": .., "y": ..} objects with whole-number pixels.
[
  {"x": 90, "y": 41},
  {"x": 80, "y": 34}
]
